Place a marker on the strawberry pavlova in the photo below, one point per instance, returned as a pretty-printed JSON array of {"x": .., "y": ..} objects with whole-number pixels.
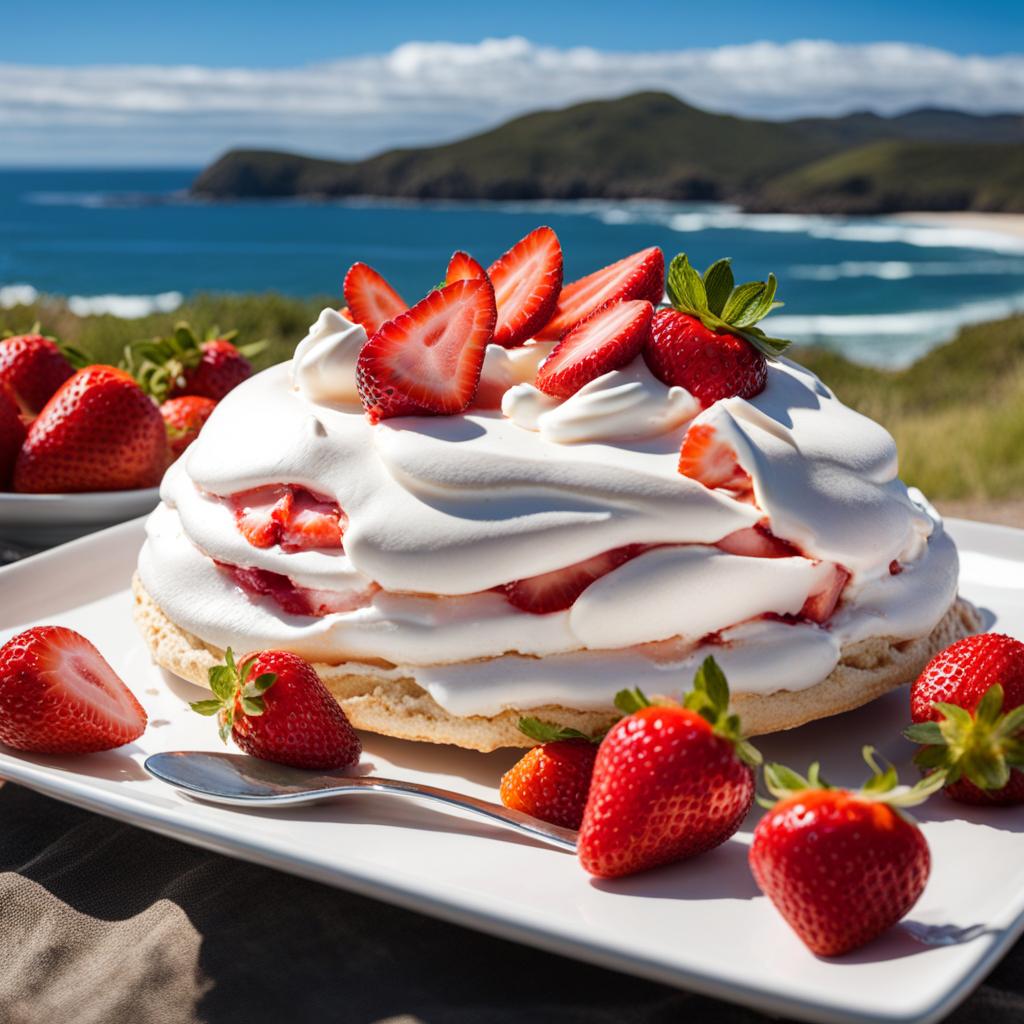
[{"x": 519, "y": 496}]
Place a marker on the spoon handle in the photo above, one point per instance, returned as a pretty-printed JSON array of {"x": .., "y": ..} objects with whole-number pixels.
[{"x": 517, "y": 821}]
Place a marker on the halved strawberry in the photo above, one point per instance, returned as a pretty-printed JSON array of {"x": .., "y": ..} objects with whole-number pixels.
[
  {"x": 462, "y": 267},
  {"x": 527, "y": 281},
  {"x": 58, "y": 695},
  {"x": 705, "y": 457},
  {"x": 757, "y": 542},
  {"x": 640, "y": 276},
  {"x": 555, "y": 591},
  {"x": 427, "y": 361},
  {"x": 370, "y": 299},
  {"x": 608, "y": 339},
  {"x": 821, "y": 604}
]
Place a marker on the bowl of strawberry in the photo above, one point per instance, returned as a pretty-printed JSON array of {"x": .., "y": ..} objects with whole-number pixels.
[{"x": 84, "y": 445}]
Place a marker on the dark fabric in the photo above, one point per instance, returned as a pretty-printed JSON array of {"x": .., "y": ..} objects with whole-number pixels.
[{"x": 103, "y": 923}]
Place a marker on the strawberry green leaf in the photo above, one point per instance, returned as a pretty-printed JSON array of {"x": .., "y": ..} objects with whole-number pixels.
[
  {"x": 223, "y": 681},
  {"x": 924, "y": 732},
  {"x": 718, "y": 284},
  {"x": 685, "y": 286},
  {"x": 206, "y": 707},
  {"x": 628, "y": 701},
  {"x": 771, "y": 347},
  {"x": 545, "y": 732},
  {"x": 742, "y": 302},
  {"x": 253, "y": 706},
  {"x": 264, "y": 681}
]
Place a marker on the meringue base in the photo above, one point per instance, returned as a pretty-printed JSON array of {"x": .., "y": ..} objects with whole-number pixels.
[{"x": 399, "y": 707}]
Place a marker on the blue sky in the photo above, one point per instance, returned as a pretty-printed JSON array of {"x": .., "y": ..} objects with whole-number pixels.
[
  {"x": 220, "y": 33},
  {"x": 159, "y": 85}
]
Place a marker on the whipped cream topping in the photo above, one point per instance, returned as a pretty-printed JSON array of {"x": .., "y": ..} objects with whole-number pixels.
[
  {"x": 623, "y": 405},
  {"x": 324, "y": 364},
  {"x": 443, "y": 509}
]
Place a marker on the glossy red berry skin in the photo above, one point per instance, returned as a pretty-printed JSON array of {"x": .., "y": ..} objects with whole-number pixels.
[
  {"x": 840, "y": 869},
  {"x": 302, "y": 724},
  {"x": 711, "y": 365},
  {"x": 221, "y": 368},
  {"x": 551, "y": 781},
  {"x": 666, "y": 787}
]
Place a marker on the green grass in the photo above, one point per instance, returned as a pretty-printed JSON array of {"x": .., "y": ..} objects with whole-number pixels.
[{"x": 957, "y": 414}]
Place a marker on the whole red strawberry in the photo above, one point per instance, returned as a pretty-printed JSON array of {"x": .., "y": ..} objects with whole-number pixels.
[
  {"x": 99, "y": 432},
  {"x": 841, "y": 866},
  {"x": 220, "y": 369},
  {"x": 551, "y": 781},
  {"x": 184, "y": 418},
  {"x": 58, "y": 695},
  {"x": 275, "y": 707},
  {"x": 12, "y": 437},
  {"x": 32, "y": 367},
  {"x": 181, "y": 364},
  {"x": 708, "y": 343},
  {"x": 669, "y": 782},
  {"x": 968, "y": 710}
]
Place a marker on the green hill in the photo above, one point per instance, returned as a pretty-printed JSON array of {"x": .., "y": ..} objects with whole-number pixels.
[
  {"x": 653, "y": 145},
  {"x": 886, "y": 177}
]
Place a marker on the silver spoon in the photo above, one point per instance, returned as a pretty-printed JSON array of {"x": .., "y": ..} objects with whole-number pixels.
[{"x": 240, "y": 781}]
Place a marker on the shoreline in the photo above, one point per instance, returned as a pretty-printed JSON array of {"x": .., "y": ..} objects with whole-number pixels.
[{"x": 1007, "y": 225}]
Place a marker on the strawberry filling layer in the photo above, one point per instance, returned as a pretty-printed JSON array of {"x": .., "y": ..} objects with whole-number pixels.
[
  {"x": 549, "y": 592},
  {"x": 293, "y": 599},
  {"x": 289, "y": 516}
]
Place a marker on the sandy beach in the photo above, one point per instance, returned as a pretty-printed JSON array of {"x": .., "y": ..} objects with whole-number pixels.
[{"x": 1011, "y": 224}]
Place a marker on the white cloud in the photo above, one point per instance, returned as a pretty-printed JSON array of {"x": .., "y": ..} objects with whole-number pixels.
[{"x": 424, "y": 92}]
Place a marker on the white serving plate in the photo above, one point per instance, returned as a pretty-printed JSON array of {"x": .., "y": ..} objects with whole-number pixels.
[
  {"x": 700, "y": 925},
  {"x": 40, "y": 520}
]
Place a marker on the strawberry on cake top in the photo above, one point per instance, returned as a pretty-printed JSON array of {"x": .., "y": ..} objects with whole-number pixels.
[{"x": 518, "y": 495}]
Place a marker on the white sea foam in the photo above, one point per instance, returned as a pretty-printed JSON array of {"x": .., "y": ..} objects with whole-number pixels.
[
  {"x": 17, "y": 295},
  {"x": 900, "y": 270},
  {"x": 890, "y": 339},
  {"x": 128, "y": 307}
]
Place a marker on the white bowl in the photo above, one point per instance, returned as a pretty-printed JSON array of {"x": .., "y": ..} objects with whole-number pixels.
[{"x": 35, "y": 521}]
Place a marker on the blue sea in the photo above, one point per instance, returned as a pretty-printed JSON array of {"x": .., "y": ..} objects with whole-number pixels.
[{"x": 131, "y": 241}]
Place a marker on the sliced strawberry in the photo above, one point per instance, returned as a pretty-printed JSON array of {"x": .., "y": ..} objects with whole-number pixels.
[
  {"x": 821, "y": 604},
  {"x": 640, "y": 276},
  {"x": 608, "y": 339},
  {"x": 312, "y": 523},
  {"x": 757, "y": 542},
  {"x": 427, "y": 361},
  {"x": 370, "y": 299},
  {"x": 462, "y": 267},
  {"x": 260, "y": 514},
  {"x": 295, "y": 600},
  {"x": 527, "y": 281},
  {"x": 558, "y": 590},
  {"x": 711, "y": 461},
  {"x": 58, "y": 695}
]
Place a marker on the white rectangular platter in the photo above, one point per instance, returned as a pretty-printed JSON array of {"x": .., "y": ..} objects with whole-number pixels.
[{"x": 700, "y": 925}]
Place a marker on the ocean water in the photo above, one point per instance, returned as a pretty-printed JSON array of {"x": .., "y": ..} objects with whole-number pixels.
[{"x": 132, "y": 241}]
